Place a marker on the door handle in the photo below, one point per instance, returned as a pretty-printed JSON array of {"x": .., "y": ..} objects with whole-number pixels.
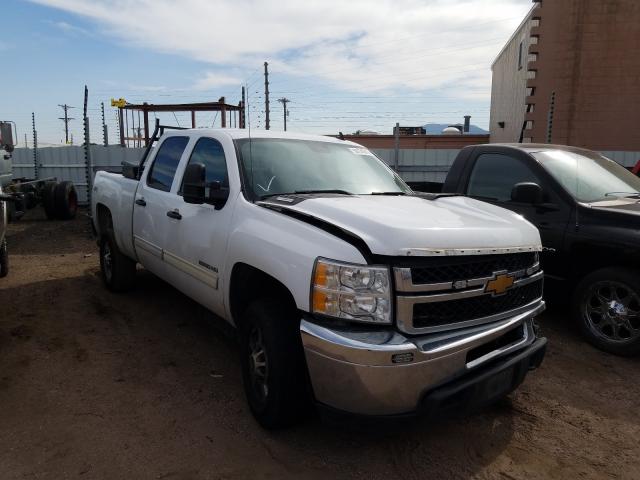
[
  {"x": 140, "y": 201},
  {"x": 174, "y": 214}
]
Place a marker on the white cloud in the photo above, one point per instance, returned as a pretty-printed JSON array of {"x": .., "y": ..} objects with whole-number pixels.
[
  {"x": 70, "y": 29},
  {"x": 358, "y": 45},
  {"x": 211, "y": 80}
]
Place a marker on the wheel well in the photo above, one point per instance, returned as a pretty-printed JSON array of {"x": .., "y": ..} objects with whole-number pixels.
[
  {"x": 249, "y": 283},
  {"x": 104, "y": 218}
]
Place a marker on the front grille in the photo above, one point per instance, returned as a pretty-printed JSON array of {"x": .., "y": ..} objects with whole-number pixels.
[
  {"x": 436, "y": 314},
  {"x": 450, "y": 269}
]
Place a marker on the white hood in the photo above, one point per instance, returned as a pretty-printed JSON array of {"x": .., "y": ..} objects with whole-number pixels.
[{"x": 406, "y": 225}]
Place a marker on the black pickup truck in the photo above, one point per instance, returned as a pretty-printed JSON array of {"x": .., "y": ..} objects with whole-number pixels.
[{"x": 587, "y": 209}]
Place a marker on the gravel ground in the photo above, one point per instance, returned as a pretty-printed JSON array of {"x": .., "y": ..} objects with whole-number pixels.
[{"x": 147, "y": 385}]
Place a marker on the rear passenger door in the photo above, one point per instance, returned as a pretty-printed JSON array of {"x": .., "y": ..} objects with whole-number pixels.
[
  {"x": 153, "y": 201},
  {"x": 492, "y": 179}
]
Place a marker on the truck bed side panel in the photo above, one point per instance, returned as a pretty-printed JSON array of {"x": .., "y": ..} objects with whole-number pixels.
[{"x": 117, "y": 194}]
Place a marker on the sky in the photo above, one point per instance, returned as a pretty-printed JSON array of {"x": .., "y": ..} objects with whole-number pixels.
[{"x": 344, "y": 66}]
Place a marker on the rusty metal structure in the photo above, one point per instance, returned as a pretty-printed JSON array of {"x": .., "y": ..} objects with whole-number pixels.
[{"x": 133, "y": 119}]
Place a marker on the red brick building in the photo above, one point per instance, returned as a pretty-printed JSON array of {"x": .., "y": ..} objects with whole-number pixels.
[{"x": 570, "y": 74}]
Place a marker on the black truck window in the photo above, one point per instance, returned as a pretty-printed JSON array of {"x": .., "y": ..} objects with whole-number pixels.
[
  {"x": 494, "y": 176},
  {"x": 166, "y": 162},
  {"x": 210, "y": 153}
]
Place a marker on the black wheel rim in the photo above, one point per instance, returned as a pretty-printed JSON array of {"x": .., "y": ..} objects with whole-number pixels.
[
  {"x": 612, "y": 312},
  {"x": 107, "y": 261},
  {"x": 258, "y": 365}
]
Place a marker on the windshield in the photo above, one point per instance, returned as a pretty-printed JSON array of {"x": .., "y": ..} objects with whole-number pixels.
[
  {"x": 589, "y": 176},
  {"x": 276, "y": 166}
]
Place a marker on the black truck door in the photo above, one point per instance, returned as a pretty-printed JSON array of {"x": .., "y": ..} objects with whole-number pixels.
[{"x": 492, "y": 178}]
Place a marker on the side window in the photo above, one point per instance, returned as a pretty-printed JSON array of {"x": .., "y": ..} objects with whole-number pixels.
[
  {"x": 520, "y": 55},
  {"x": 166, "y": 162},
  {"x": 494, "y": 176},
  {"x": 210, "y": 153}
]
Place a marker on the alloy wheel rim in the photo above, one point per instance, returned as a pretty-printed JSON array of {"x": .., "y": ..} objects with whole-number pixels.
[
  {"x": 612, "y": 311},
  {"x": 258, "y": 364}
]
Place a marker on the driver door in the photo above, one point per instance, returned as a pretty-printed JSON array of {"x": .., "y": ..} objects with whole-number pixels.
[
  {"x": 197, "y": 236},
  {"x": 492, "y": 179}
]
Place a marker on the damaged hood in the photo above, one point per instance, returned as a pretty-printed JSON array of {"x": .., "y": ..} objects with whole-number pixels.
[{"x": 410, "y": 225}]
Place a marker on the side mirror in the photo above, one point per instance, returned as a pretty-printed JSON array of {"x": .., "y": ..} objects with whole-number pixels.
[
  {"x": 6, "y": 136},
  {"x": 193, "y": 185},
  {"x": 130, "y": 170},
  {"x": 218, "y": 195},
  {"x": 527, "y": 192}
]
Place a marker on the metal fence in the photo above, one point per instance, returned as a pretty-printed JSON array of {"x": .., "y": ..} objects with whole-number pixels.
[
  {"x": 68, "y": 163},
  {"x": 420, "y": 165}
]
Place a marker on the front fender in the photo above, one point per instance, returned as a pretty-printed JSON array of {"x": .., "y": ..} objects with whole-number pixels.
[{"x": 282, "y": 247}]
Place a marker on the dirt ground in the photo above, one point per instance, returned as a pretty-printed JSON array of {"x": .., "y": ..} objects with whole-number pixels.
[{"x": 147, "y": 385}]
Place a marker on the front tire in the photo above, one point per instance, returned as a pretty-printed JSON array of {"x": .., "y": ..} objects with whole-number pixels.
[
  {"x": 49, "y": 199},
  {"x": 606, "y": 305},
  {"x": 273, "y": 365},
  {"x": 66, "y": 201},
  {"x": 117, "y": 270}
]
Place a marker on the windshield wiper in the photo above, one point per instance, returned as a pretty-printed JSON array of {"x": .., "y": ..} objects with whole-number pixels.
[
  {"x": 622, "y": 194},
  {"x": 388, "y": 193},
  {"x": 341, "y": 192}
]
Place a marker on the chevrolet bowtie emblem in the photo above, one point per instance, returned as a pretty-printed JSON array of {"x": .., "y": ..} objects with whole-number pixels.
[{"x": 500, "y": 284}]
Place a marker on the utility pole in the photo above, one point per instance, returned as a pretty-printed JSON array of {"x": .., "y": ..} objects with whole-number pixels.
[
  {"x": 105, "y": 133},
  {"x": 88, "y": 170},
  {"x": 66, "y": 119},
  {"x": 243, "y": 111},
  {"x": 284, "y": 102},
  {"x": 26, "y": 144},
  {"x": 396, "y": 146},
  {"x": 266, "y": 95},
  {"x": 35, "y": 146}
]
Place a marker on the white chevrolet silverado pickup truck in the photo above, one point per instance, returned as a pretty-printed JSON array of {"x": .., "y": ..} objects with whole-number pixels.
[{"x": 346, "y": 288}]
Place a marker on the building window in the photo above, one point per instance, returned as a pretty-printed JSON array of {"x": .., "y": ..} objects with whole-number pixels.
[{"x": 520, "y": 55}]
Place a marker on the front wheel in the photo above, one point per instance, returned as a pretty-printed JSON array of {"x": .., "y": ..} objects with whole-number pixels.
[
  {"x": 273, "y": 365},
  {"x": 606, "y": 305},
  {"x": 49, "y": 199},
  {"x": 66, "y": 200}
]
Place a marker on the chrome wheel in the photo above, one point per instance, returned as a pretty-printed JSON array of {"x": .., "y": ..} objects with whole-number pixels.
[
  {"x": 107, "y": 261},
  {"x": 258, "y": 365},
  {"x": 612, "y": 311}
]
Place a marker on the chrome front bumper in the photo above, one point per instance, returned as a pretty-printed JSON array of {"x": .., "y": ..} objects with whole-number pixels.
[{"x": 382, "y": 372}]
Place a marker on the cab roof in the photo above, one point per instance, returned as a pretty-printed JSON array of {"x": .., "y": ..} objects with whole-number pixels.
[
  {"x": 243, "y": 133},
  {"x": 533, "y": 147}
]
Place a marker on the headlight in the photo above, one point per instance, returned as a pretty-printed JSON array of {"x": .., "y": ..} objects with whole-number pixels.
[{"x": 354, "y": 292}]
